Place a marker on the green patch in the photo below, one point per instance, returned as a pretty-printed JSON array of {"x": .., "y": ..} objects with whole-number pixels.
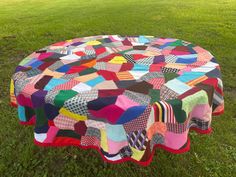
[
  {"x": 170, "y": 76},
  {"x": 63, "y": 96},
  {"x": 155, "y": 95}
]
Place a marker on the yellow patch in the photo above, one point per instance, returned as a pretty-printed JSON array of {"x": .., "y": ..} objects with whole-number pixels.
[
  {"x": 118, "y": 60},
  {"x": 137, "y": 154},
  {"x": 72, "y": 115},
  {"x": 104, "y": 143},
  {"x": 93, "y": 43}
]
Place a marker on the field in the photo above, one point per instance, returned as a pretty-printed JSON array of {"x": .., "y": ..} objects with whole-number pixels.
[{"x": 28, "y": 25}]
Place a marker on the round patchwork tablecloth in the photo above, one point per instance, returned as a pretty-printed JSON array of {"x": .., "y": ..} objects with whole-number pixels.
[{"x": 123, "y": 96}]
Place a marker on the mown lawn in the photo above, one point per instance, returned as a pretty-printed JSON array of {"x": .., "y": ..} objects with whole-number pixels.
[{"x": 27, "y": 25}]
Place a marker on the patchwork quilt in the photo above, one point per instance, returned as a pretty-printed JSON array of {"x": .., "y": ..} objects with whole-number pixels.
[{"x": 123, "y": 96}]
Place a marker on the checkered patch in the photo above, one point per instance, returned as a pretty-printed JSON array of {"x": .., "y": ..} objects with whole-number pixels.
[
  {"x": 89, "y": 95},
  {"x": 90, "y": 141},
  {"x": 63, "y": 122},
  {"x": 77, "y": 105},
  {"x": 156, "y": 139},
  {"x": 169, "y": 70}
]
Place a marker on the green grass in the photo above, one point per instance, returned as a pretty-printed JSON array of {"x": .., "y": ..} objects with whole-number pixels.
[{"x": 27, "y": 25}]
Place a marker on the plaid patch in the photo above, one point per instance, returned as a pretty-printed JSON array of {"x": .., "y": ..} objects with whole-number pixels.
[
  {"x": 19, "y": 76},
  {"x": 138, "y": 139},
  {"x": 20, "y": 85},
  {"x": 91, "y": 131},
  {"x": 126, "y": 152},
  {"x": 166, "y": 93},
  {"x": 95, "y": 124},
  {"x": 49, "y": 98},
  {"x": 156, "y": 139},
  {"x": 177, "y": 127},
  {"x": 152, "y": 75},
  {"x": 138, "y": 97},
  {"x": 198, "y": 123},
  {"x": 33, "y": 72}
]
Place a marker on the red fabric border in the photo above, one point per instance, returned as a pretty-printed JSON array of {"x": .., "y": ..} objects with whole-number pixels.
[{"x": 76, "y": 143}]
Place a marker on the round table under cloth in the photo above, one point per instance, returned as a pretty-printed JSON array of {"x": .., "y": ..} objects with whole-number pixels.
[{"x": 123, "y": 96}]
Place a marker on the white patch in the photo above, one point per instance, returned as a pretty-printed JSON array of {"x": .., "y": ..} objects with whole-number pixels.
[
  {"x": 70, "y": 57},
  {"x": 138, "y": 74},
  {"x": 81, "y": 87},
  {"x": 40, "y": 137},
  {"x": 151, "y": 119},
  {"x": 117, "y": 157}
]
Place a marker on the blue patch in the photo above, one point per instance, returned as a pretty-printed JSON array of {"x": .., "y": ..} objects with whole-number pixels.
[
  {"x": 21, "y": 113},
  {"x": 143, "y": 39},
  {"x": 186, "y": 60},
  {"x": 131, "y": 113},
  {"x": 139, "y": 67},
  {"x": 188, "y": 76},
  {"x": 63, "y": 69},
  {"x": 95, "y": 81},
  {"x": 53, "y": 83}
]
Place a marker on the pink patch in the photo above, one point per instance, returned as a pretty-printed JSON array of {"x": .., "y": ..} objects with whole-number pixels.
[
  {"x": 44, "y": 55},
  {"x": 24, "y": 101},
  {"x": 156, "y": 67},
  {"x": 187, "y": 69},
  {"x": 59, "y": 43},
  {"x": 125, "y": 103},
  {"x": 175, "y": 141},
  {"x": 114, "y": 147},
  {"x": 76, "y": 69},
  {"x": 29, "y": 90},
  {"x": 202, "y": 111},
  {"x": 113, "y": 67},
  {"x": 177, "y": 52},
  {"x": 165, "y": 52},
  {"x": 112, "y": 113},
  {"x": 51, "y": 134}
]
